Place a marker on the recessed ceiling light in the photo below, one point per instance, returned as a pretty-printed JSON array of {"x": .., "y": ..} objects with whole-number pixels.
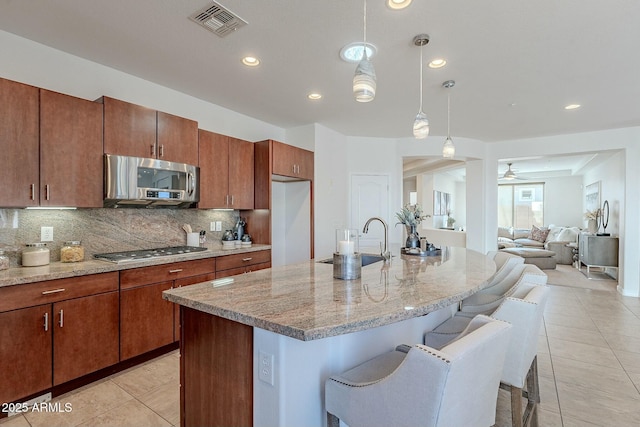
[
  {"x": 314, "y": 96},
  {"x": 353, "y": 52},
  {"x": 572, "y": 106},
  {"x": 250, "y": 61},
  {"x": 398, "y": 4},
  {"x": 437, "y": 63}
]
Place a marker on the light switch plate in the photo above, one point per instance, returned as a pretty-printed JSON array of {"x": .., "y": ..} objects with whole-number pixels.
[
  {"x": 218, "y": 225},
  {"x": 212, "y": 226},
  {"x": 46, "y": 234}
]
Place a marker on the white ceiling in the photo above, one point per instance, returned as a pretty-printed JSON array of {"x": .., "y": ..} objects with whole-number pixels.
[{"x": 515, "y": 63}]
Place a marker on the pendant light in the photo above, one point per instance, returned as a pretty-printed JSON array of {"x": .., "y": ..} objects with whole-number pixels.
[
  {"x": 421, "y": 124},
  {"x": 364, "y": 79},
  {"x": 448, "y": 149}
]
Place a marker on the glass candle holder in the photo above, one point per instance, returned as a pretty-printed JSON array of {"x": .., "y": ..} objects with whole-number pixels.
[{"x": 347, "y": 241}]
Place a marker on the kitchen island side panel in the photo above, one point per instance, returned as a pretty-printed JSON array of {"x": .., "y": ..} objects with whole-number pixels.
[{"x": 216, "y": 371}]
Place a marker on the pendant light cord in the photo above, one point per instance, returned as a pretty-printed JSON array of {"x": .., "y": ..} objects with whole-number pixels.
[
  {"x": 421, "y": 77},
  {"x": 448, "y": 115},
  {"x": 364, "y": 37}
]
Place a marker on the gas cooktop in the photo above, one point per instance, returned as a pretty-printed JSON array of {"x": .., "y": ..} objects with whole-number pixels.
[{"x": 143, "y": 254}]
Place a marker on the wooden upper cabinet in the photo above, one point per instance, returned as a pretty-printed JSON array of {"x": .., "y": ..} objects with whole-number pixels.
[
  {"x": 177, "y": 139},
  {"x": 70, "y": 151},
  {"x": 214, "y": 170},
  {"x": 132, "y": 130},
  {"x": 292, "y": 161},
  {"x": 226, "y": 172},
  {"x": 129, "y": 129},
  {"x": 19, "y": 143},
  {"x": 241, "y": 185}
]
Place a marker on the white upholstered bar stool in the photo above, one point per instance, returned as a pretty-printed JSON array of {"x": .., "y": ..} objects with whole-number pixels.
[
  {"x": 523, "y": 310},
  {"x": 488, "y": 299},
  {"x": 425, "y": 387}
]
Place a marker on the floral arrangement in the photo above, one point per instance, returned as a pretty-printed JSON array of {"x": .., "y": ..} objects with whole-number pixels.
[
  {"x": 411, "y": 215},
  {"x": 589, "y": 215}
]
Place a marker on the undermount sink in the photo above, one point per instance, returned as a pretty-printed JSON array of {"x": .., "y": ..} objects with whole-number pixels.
[{"x": 366, "y": 259}]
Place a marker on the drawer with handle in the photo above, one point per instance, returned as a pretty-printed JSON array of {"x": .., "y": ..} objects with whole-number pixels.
[
  {"x": 161, "y": 273},
  {"x": 227, "y": 262},
  {"x": 49, "y": 291}
]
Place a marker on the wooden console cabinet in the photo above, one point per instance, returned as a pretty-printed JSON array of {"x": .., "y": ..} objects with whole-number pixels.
[{"x": 597, "y": 251}]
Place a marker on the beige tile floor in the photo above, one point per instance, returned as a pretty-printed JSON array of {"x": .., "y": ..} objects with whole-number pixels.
[{"x": 588, "y": 361}]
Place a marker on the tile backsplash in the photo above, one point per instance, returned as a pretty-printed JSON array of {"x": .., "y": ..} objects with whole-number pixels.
[{"x": 107, "y": 230}]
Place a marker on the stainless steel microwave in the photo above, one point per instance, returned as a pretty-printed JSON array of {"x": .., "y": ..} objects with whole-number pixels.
[{"x": 143, "y": 182}]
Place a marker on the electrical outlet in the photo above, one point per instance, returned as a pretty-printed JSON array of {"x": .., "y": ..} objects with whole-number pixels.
[
  {"x": 46, "y": 234},
  {"x": 218, "y": 225},
  {"x": 212, "y": 226},
  {"x": 265, "y": 366}
]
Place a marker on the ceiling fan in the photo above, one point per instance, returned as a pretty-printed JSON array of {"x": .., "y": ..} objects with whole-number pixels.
[{"x": 510, "y": 174}]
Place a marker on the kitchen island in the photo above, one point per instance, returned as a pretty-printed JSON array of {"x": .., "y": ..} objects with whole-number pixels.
[{"x": 257, "y": 348}]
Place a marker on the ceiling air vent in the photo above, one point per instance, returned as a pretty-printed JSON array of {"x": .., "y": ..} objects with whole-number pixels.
[{"x": 217, "y": 19}]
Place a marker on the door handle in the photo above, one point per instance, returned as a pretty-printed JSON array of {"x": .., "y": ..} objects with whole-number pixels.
[
  {"x": 46, "y": 322},
  {"x": 61, "y": 318}
]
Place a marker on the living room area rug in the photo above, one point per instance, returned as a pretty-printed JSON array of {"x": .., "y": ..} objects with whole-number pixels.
[{"x": 567, "y": 275}]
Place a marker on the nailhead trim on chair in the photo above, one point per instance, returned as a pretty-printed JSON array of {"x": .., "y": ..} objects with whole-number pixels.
[{"x": 426, "y": 350}]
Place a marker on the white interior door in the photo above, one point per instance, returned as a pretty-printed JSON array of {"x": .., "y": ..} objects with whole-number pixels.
[{"x": 369, "y": 198}]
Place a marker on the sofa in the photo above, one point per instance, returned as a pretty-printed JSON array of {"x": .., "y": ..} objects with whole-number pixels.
[{"x": 552, "y": 238}]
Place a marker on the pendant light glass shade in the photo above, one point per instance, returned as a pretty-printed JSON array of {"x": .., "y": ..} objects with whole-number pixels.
[
  {"x": 364, "y": 79},
  {"x": 448, "y": 149},
  {"x": 421, "y": 123},
  {"x": 421, "y": 126}
]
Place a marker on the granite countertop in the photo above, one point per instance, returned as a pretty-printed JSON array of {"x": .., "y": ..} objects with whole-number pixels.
[
  {"x": 60, "y": 270},
  {"x": 305, "y": 302}
]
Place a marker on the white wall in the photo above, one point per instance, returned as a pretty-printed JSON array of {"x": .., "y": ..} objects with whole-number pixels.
[
  {"x": 330, "y": 189},
  {"x": 563, "y": 201},
  {"x": 612, "y": 184}
]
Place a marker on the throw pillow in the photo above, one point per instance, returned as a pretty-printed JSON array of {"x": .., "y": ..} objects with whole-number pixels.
[
  {"x": 553, "y": 233},
  {"x": 568, "y": 235},
  {"x": 538, "y": 234}
]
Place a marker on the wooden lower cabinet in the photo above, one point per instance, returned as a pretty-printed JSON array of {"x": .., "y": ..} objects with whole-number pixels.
[
  {"x": 146, "y": 320},
  {"x": 25, "y": 352},
  {"x": 85, "y": 335},
  {"x": 55, "y": 331}
]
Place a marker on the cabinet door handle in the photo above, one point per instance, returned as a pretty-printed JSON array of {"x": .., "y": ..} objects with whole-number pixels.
[
  {"x": 46, "y": 322},
  {"x": 177, "y": 270},
  {"x": 54, "y": 291},
  {"x": 46, "y": 192},
  {"x": 232, "y": 200},
  {"x": 227, "y": 200},
  {"x": 61, "y": 318},
  {"x": 161, "y": 151},
  {"x": 191, "y": 183},
  {"x": 246, "y": 259},
  {"x": 153, "y": 150},
  {"x": 293, "y": 169},
  {"x": 33, "y": 192}
]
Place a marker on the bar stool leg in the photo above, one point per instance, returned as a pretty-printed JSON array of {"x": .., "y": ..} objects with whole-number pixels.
[{"x": 332, "y": 420}]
